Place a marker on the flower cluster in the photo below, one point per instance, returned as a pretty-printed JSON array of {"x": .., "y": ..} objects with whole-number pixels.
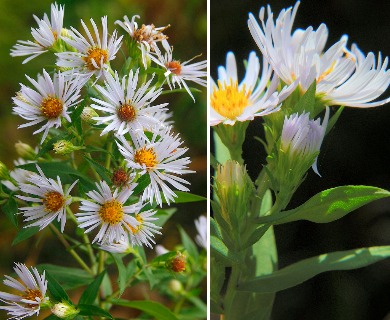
[{"x": 138, "y": 159}]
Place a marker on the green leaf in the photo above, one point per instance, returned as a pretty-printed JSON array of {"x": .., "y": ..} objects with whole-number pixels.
[
  {"x": 70, "y": 278},
  {"x": 52, "y": 317},
  {"x": 329, "y": 205},
  {"x": 122, "y": 273},
  {"x": 152, "y": 308},
  {"x": 24, "y": 234},
  {"x": 90, "y": 310},
  {"x": 61, "y": 169},
  {"x": 102, "y": 171},
  {"x": 163, "y": 216},
  {"x": 56, "y": 290},
  {"x": 183, "y": 197},
  {"x": 142, "y": 183},
  {"x": 218, "y": 247},
  {"x": 10, "y": 208},
  {"x": 188, "y": 244},
  {"x": 307, "y": 101},
  {"x": 308, "y": 268},
  {"x": 91, "y": 292},
  {"x": 333, "y": 119}
]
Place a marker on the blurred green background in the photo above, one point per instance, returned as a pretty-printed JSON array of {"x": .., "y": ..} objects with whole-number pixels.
[
  {"x": 188, "y": 34},
  {"x": 356, "y": 151}
]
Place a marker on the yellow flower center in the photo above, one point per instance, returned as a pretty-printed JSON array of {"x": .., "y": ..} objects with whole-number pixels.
[
  {"x": 146, "y": 156},
  {"x": 229, "y": 101},
  {"x": 174, "y": 67},
  {"x": 31, "y": 294},
  {"x": 111, "y": 212},
  {"x": 98, "y": 55},
  {"x": 51, "y": 107},
  {"x": 126, "y": 112},
  {"x": 53, "y": 201},
  {"x": 139, "y": 227}
]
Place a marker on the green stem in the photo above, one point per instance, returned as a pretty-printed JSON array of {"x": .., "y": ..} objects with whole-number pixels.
[
  {"x": 85, "y": 237},
  {"x": 70, "y": 250},
  {"x": 179, "y": 304},
  {"x": 97, "y": 177},
  {"x": 109, "y": 150}
]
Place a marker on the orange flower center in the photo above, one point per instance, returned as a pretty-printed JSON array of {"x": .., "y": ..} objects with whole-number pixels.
[
  {"x": 146, "y": 156},
  {"x": 111, "y": 212},
  {"x": 126, "y": 112},
  {"x": 51, "y": 107},
  {"x": 98, "y": 55},
  {"x": 53, "y": 201},
  {"x": 174, "y": 67},
  {"x": 139, "y": 227},
  {"x": 229, "y": 101},
  {"x": 31, "y": 294}
]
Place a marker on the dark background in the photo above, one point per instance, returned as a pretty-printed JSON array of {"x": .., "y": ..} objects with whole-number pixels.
[{"x": 356, "y": 151}]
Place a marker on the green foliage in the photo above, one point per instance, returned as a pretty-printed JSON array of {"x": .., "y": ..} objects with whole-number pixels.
[
  {"x": 91, "y": 292},
  {"x": 10, "y": 208},
  {"x": 152, "y": 308},
  {"x": 329, "y": 205},
  {"x": 305, "y": 269},
  {"x": 24, "y": 234},
  {"x": 56, "y": 290}
]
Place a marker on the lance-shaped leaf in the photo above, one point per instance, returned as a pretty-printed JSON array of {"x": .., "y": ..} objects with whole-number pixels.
[
  {"x": 91, "y": 292},
  {"x": 329, "y": 205},
  {"x": 303, "y": 270}
]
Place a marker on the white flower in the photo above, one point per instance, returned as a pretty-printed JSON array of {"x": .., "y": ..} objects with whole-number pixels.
[
  {"x": 343, "y": 77},
  {"x": 128, "y": 108},
  {"x": 232, "y": 101},
  {"x": 180, "y": 72},
  {"x": 107, "y": 209},
  {"x": 201, "y": 227},
  {"x": 144, "y": 232},
  {"x": 18, "y": 174},
  {"x": 147, "y": 36},
  {"x": 44, "y": 36},
  {"x": 302, "y": 137},
  {"x": 121, "y": 246},
  {"x": 52, "y": 197},
  {"x": 32, "y": 293},
  {"x": 48, "y": 102},
  {"x": 93, "y": 54},
  {"x": 160, "y": 250},
  {"x": 158, "y": 157}
]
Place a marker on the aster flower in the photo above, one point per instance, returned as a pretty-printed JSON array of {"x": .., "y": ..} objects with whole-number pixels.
[
  {"x": 44, "y": 36},
  {"x": 48, "y": 102},
  {"x": 121, "y": 246},
  {"x": 128, "y": 108},
  {"x": 180, "y": 72},
  {"x": 93, "y": 54},
  {"x": 107, "y": 210},
  {"x": 302, "y": 138},
  {"x": 158, "y": 157},
  {"x": 52, "y": 197},
  {"x": 32, "y": 293},
  {"x": 232, "y": 101},
  {"x": 343, "y": 77},
  {"x": 201, "y": 227},
  {"x": 146, "y": 37},
  {"x": 143, "y": 234}
]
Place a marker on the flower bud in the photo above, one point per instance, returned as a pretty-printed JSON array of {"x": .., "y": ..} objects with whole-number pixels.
[
  {"x": 4, "y": 173},
  {"x": 175, "y": 286},
  {"x": 88, "y": 114},
  {"x": 234, "y": 188},
  {"x": 25, "y": 151},
  {"x": 120, "y": 177},
  {"x": 63, "y": 147},
  {"x": 64, "y": 310}
]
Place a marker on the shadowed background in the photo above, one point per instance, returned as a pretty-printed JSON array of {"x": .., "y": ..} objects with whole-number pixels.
[
  {"x": 355, "y": 152},
  {"x": 187, "y": 34}
]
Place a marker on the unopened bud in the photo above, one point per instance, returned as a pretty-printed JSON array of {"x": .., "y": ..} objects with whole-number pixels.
[
  {"x": 64, "y": 310},
  {"x": 25, "y": 151},
  {"x": 120, "y": 177},
  {"x": 63, "y": 147},
  {"x": 4, "y": 173},
  {"x": 175, "y": 286},
  {"x": 88, "y": 114}
]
